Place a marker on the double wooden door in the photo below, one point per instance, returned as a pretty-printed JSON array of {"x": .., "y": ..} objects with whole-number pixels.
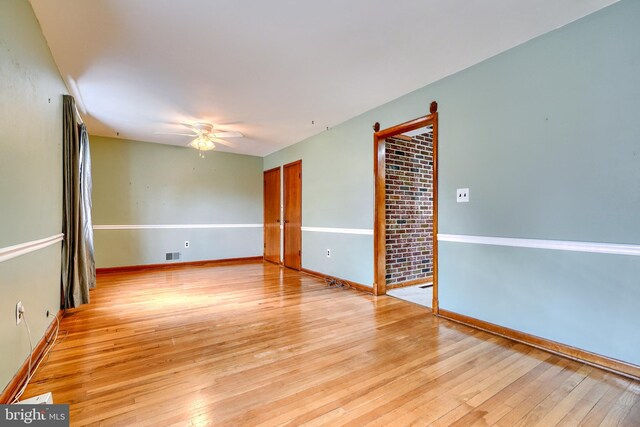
[{"x": 291, "y": 215}]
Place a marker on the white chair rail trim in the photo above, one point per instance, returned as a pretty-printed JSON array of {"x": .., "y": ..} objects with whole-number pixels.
[
  {"x": 365, "y": 231},
  {"x": 558, "y": 245},
  {"x": 171, "y": 226},
  {"x": 14, "y": 251}
]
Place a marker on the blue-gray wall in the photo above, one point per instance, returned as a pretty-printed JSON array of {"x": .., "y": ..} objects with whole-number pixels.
[
  {"x": 139, "y": 184},
  {"x": 337, "y": 192},
  {"x": 30, "y": 180},
  {"x": 547, "y": 138}
]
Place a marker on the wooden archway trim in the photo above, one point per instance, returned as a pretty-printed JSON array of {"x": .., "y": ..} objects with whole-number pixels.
[{"x": 379, "y": 229}]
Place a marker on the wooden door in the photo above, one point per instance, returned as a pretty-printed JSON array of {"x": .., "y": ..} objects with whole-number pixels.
[
  {"x": 272, "y": 215},
  {"x": 293, "y": 215}
]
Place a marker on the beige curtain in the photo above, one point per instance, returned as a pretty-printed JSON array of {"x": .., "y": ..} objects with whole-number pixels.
[{"x": 78, "y": 264}]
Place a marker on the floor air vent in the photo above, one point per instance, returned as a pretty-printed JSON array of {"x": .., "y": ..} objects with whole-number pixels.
[{"x": 171, "y": 256}]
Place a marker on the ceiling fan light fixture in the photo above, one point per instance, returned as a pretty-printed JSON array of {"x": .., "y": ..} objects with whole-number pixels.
[{"x": 202, "y": 143}]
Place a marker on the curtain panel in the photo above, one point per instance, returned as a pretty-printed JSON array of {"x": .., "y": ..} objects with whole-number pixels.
[{"x": 78, "y": 262}]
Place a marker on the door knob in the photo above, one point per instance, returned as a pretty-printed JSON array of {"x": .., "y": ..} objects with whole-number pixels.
[
  {"x": 278, "y": 220},
  {"x": 286, "y": 221}
]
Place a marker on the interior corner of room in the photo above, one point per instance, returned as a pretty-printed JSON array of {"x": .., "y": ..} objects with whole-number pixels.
[{"x": 502, "y": 194}]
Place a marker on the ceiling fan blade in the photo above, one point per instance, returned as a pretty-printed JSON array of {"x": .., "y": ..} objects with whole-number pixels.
[
  {"x": 230, "y": 134},
  {"x": 237, "y": 122},
  {"x": 223, "y": 142},
  {"x": 173, "y": 133}
]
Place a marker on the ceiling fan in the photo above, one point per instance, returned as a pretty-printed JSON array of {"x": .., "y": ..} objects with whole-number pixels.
[{"x": 205, "y": 134}]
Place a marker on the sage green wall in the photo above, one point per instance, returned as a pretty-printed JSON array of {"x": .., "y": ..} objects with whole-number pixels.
[
  {"x": 337, "y": 192},
  {"x": 30, "y": 179},
  {"x": 139, "y": 183},
  {"x": 545, "y": 136}
]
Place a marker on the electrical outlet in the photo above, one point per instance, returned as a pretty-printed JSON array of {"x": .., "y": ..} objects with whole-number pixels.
[
  {"x": 19, "y": 312},
  {"x": 328, "y": 253},
  {"x": 186, "y": 244}
]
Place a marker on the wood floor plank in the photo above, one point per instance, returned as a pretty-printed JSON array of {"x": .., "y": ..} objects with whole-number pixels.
[
  {"x": 598, "y": 412},
  {"x": 619, "y": 413},
  {"x": 582, "y": 407},
  {"x": 491, "y": 410},
  {"x": 407, "y": 409},
  {"x": 253, "y": 344}
]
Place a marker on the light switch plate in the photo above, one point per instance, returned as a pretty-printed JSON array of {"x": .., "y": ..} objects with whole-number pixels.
[{"x": 463, "y": 195}]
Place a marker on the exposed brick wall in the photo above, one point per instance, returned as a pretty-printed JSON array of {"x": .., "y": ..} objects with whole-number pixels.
[{"x": 409, "y": 208}]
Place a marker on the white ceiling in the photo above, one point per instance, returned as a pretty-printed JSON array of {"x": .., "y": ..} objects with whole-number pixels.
[{"x": 272, "y": 67}]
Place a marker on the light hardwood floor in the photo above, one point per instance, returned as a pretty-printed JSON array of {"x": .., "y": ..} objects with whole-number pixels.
[{"x": 253, "y": 344}]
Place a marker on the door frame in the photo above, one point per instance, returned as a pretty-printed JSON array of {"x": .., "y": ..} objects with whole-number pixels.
[
  {"x": 264, "y": 214},
  {"x": 284, "y": 208},
  {"x": 379, "y": 216}
]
